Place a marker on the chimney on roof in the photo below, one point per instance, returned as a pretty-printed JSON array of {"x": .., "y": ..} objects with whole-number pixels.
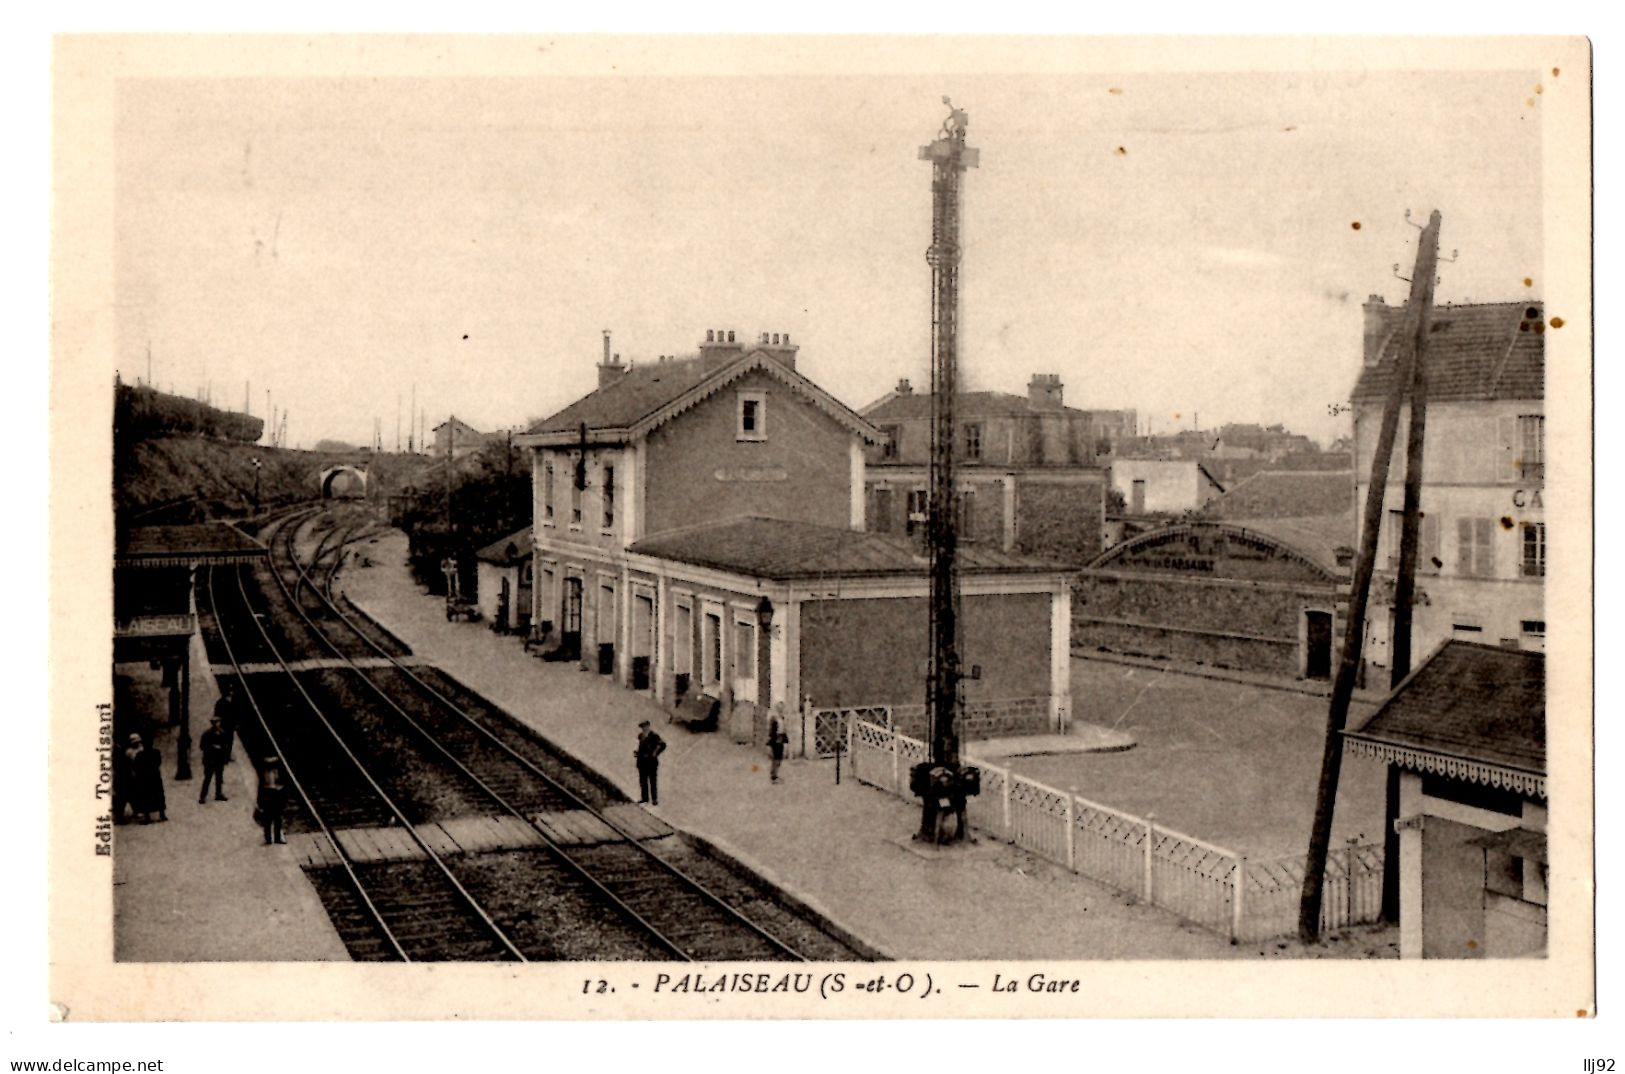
[
  {"x": 719, "y": 348},
  {"x": 904, "y": 387},
  {"x": 1376, "y": 328},
  {"x": 610, "y": 369},
  {"x": 1044, "y": 391},
  {"x": 779, "y": 348}
]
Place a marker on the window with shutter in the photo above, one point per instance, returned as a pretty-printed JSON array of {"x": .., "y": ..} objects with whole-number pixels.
[
  {"x": 1485, "y": 565},
  {"x": 1507, "y": 436},
  {"x": 882, "y": 512},
  {"x": 1392, "y": 535},
  {"x": 1475, "y": 550},
  {"x": 1429, "y": 562}
]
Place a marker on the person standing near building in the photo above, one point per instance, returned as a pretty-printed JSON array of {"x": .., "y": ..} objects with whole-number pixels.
[
  {"x": 776, "y": 741},
  {"x": 650, "y": 747},
  {"x": 269, "y": 802},
  {"x": 214, "y": 747},
  {"x": 148, "y": 766},
  {"x": 225, "y": 711},
  {"x": 124, "y": 779}
]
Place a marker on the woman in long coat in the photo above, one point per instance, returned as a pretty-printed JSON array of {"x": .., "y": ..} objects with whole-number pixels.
[{"x": 148, "y": 796}]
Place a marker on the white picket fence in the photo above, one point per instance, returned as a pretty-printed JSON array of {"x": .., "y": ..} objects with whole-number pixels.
[{"x": 1243, "y": 899}]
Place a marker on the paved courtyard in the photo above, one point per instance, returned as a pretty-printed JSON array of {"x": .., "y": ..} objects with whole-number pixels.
[
  {"x": 845, "y": 850},
  {"x": 1233, "y": 764}
]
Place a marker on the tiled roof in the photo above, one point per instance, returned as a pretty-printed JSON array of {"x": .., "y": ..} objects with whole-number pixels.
[
  {"x": 1480, "y": 703},
  {"x": 1287, "y": 494},
  {"x": 639, "y": 392},
  {"x": 966, "y": 405},
  {"x": 510, "y": 549},
  {"x": 178, "y": 545},
  {"x": 1481, "y": 352},
  {"x": 649, "y": 393},
  {"x": 779, "y": 549}
]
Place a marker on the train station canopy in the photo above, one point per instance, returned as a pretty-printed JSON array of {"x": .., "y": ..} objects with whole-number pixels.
[{"x": 208, "y": 544}]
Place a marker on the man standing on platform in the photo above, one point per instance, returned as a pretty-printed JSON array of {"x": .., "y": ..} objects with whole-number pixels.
[
  {"x": 650, "y": 747},
  {"x": 225, "y": 711},
  {"x": 214, "y": 746}
]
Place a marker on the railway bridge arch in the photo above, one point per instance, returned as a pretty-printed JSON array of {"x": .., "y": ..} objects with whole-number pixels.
[{"x": 351, "y": 476}]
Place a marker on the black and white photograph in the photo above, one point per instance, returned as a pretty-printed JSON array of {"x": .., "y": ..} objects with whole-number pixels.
[{"x": 835, "y": 528}]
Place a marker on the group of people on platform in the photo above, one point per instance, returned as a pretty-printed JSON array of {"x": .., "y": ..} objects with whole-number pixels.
[{"x": 138, "y": 778}]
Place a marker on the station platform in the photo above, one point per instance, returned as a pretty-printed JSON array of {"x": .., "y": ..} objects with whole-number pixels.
[
  {"x": 842, "y": 849},
  {"x": 203, "y": 886}
]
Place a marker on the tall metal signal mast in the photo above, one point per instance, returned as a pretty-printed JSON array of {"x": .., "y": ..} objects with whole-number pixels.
[{"x": 949, "y": 157}]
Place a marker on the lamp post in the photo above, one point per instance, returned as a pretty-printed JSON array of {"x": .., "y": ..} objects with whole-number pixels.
[{"x": 256, "y": 484}]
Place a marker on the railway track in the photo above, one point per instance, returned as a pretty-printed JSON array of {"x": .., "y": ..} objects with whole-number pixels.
[
  {"x": 425, "y": 916},
  {"x": 675, "y": 914}
]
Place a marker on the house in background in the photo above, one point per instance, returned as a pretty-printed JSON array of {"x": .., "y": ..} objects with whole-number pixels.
[
  {"x": 1027, "y": 476},
  {"x": 1482, "y": 563},
  {"x": 1162, "y": 486},
  {"x": 700, "y": 528},
  {"x": 1467, "y": 730},
  {"x": 458, "y": 438}
]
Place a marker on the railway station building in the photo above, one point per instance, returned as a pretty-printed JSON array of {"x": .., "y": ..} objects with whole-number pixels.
[{"x": 700, "y": 530}]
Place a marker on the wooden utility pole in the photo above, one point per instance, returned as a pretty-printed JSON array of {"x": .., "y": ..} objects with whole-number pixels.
[
  {"x": 1331, "y": 764},
  {"x": 1405, "y": 583}
]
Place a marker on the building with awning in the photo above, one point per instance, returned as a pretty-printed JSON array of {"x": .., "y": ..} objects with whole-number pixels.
[
  {"x": 154, "y": 606},
  {"x": 1467, "y": 730}
]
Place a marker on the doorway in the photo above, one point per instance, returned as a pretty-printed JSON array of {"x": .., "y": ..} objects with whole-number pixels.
[
  {"x": 1317, "y": 644},
  {"x": 570, "y": 629}
]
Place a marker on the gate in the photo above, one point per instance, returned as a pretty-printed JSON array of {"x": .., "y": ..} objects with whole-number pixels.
[{"x": 830, "y": 725}]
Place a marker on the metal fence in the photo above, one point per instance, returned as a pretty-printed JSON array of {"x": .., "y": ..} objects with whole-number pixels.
[{"x": 1235, "y": 896}]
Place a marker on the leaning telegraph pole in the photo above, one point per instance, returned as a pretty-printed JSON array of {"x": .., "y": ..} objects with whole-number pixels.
[
  {"x": 1405, "y": 583},
  {"x": 1410, "y": 345},
  {"x": 949, "y": 157}
]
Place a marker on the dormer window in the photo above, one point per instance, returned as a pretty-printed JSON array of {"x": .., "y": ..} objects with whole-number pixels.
[{"x": 752, "y": 416}]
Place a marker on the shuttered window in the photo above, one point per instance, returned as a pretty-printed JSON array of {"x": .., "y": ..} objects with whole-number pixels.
[{"x": 1475, "y": 550}]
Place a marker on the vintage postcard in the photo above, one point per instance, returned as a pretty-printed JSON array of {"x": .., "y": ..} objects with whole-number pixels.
[{"x": 835, "y": 528}]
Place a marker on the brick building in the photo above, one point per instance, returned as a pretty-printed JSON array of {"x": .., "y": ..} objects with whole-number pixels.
[
  {"x": 1026, "y": 470},
  {"x": 699, "y": 527},
  {"x": 1251, "y": 582},
  {"x": 1482, "y": 562}
]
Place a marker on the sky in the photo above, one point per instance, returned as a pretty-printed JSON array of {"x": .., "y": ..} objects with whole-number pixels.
[{"x": 1181, "y": 244}]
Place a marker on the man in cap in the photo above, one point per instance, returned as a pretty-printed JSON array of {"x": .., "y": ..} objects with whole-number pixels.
[
  {"x": 214, "y": 746},
  {"x": 650, "y": 747}
]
